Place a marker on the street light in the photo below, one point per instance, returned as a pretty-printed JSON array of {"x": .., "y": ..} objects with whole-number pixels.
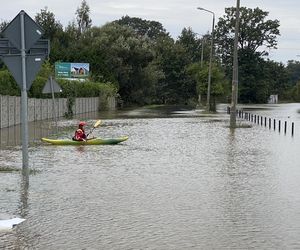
[{"x": 210, "y": 59}]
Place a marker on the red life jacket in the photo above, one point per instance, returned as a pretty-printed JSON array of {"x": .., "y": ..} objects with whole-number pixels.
[{"x": 79, "y": 135}]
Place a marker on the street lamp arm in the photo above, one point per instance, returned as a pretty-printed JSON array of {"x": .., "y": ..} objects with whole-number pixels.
[{"x": 200, "y": 8}]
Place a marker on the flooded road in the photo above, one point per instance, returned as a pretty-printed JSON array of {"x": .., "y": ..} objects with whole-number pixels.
[{"x": 183, "y": 180}]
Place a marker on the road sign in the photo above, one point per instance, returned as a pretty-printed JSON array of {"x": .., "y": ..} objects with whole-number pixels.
[
  {"x": 14, "y": 64},
  {"x": 11, "y": 56},
  {"x": 54, "y": 88},
  {"x": 23, "y": 52},
  {"x": 42, "y": 46},
  {"x": 32, "y": 31},
  {"x": 6, "y": 48}
]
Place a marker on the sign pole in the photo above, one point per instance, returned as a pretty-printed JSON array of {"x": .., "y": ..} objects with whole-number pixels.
[
  {"x": 53, "y": 103},
  {"x": 24, "y": 104}
]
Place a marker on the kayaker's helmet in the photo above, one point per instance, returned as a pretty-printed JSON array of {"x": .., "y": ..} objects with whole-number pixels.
[{"x": 81, "y": 124}]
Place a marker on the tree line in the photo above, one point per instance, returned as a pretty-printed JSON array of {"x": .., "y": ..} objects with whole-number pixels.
[{"x": 145, "y": 65}]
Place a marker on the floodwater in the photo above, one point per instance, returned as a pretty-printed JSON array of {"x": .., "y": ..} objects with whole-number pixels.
[{"x": 183, "y": 180}]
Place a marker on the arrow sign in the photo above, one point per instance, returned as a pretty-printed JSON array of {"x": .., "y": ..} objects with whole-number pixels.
[{"x": 32, "y": 31}]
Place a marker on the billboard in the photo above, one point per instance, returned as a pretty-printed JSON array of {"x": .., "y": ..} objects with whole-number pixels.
[{"x": 72, "y": 70}]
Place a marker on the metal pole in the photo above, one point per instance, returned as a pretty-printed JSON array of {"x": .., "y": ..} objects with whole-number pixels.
[
  {"x": 210, "y": 64},
  {"x": 235, "y": 68},
  {"x": 210, "y": 59},
  {"x": 202, "y": 51},
  {"x": 53, "y": 104},
  {"x": 24, "y": 105}
]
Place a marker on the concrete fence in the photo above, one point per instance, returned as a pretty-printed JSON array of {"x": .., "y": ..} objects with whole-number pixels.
[{"x": 41, "y": 109}]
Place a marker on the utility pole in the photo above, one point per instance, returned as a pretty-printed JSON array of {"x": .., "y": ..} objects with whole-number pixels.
[{"x": 235, "y": 69}]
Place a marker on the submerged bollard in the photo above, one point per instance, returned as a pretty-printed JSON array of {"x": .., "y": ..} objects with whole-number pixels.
[
  {"x": 292, "y": 129},
  {"x": 269, "y": 123},
  {"x": 285, "y": 127},
  {"x": 274, "y": 124},
  {"x": 265, "y": 121},
  {"x": 279, "y": 125}
]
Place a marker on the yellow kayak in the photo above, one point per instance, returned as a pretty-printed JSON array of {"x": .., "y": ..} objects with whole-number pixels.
[{"x": 93, "y": 141}]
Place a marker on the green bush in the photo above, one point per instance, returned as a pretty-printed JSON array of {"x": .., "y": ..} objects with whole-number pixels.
[
  {"x": 8, "y": 85},
  {"x": 86, "y": 89}
]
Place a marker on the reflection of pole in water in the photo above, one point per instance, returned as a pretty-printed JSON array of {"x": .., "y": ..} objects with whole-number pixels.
[{"x": 24, "y": 193}]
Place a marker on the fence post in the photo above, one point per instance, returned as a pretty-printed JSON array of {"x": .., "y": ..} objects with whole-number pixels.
[
  {"x": 285, "y": 127},
  {"x": 265, "y": 121}
]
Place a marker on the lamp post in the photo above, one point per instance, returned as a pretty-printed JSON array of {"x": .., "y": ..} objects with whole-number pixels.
[
  {"x": 235, "y": 68},
  {"x": 202, "y": 50},
  {"x": 210, "y": 59}
]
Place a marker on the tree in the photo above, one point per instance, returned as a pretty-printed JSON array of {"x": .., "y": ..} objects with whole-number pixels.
[
  {"x": 150, "y": 29},
  {"x": 46, "y": 20},
  {"x": 188, "y": 39},
  {"x": 83, "y": 17},
  {"x": 220, "y": 85},
  {"x": 293, "y": 68},
  {"x": 117, "y": 54},
  {"x": 256, "y": 34}
]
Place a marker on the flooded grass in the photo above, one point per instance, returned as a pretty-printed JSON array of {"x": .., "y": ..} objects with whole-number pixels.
[
  {"x": 8, "y": 169},
  {"x": 5, "y": 169}
]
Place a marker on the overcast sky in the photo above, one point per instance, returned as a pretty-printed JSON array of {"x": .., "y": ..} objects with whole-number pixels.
[{"x": 173, "y": 14}]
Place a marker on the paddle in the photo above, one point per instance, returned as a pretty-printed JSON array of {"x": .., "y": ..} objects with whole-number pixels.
[{"x": 96, "y": 125}]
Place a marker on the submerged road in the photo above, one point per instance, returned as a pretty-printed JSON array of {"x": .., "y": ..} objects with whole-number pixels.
[{"x": 183, "y": 180}]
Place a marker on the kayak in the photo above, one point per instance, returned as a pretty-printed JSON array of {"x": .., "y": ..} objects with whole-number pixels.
[{"x": 93, "y": 141}]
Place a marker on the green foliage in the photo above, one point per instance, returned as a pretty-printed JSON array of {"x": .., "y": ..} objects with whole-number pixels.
[
  {"x": 257, "y": 35},
  {"x": 85, "y": 89},
  {"x": 219, "y": 83},
  {"x": 188, "y": 39},
  {"x": 145, "y": 28},
  {"x": 46, "y": 19},
  {"x": 8, "y": 85},
  {"x": 137, "y": 60},
  {"x": 293, "y": 69},
  {"x": 256, "y": 32}
]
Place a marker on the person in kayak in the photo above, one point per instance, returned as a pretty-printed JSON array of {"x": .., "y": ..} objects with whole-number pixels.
[{"x": 80, "y": 133}]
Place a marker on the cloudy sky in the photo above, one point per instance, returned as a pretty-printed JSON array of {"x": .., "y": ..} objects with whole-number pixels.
[{"x": 173, "y": 14}]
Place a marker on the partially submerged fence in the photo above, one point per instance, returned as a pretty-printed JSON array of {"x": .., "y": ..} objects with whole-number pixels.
[
  {"x": 41, "y": 109},
  {"x": 271, "y": 123}
]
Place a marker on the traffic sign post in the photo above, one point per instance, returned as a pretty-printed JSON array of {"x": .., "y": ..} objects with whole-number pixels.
[
  {"x": 23, "y": 52},
  {"x": 52, "y": 87}
]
